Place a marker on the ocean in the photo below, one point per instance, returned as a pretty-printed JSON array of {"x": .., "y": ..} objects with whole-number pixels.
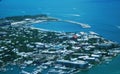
[{"x": 102, "y": 15}]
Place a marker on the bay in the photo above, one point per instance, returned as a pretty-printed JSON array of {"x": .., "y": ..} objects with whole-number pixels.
[{"x": 102, "y": 15}]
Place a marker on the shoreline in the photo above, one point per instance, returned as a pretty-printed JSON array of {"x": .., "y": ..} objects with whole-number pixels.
[
  {"x": 66, "y": 50},
  {"x": 29, "y": 20}
]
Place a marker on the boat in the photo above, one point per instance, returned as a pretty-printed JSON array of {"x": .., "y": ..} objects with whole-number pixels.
[{"x": 24, "y": 72}]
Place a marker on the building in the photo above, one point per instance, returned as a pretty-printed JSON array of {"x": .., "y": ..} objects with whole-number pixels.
[
  {"x": 5, "y": 23},
  {"x": 76, "y": 64}
]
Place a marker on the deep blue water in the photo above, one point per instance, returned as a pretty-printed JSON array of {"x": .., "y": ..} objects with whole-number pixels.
[{"x": 102, "y": 15}]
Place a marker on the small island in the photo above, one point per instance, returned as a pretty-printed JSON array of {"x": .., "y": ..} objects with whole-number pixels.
[{"x": 51, "y": 52}]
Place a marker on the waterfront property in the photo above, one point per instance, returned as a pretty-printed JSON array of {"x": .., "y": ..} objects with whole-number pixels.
[{"x": 24, "y": 46}]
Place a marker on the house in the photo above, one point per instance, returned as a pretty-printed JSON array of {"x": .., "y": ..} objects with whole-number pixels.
[
  {"x": 5, "y": 23},
  {"x": 3, "y": 33},
  {"x": 40, "y": 45}
]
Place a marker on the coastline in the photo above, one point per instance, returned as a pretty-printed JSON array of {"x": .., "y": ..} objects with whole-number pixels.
[
  {"x": 67, "y": 43},
  {"x": 102, "y": 15},
  {"x": 38, "y": 19}
]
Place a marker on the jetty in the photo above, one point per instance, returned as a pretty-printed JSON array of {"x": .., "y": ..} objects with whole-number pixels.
[{"x": 78, "y": 23}]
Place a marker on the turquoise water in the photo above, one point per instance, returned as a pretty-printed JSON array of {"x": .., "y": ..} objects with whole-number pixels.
[
  {"x": 60, "y": 27},
  {"x": 112, "y": 67},
  {"x": 102, "y": 15}
]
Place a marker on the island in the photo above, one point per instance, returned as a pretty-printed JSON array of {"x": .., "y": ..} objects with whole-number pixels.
[{"x": 51, "y": 52}]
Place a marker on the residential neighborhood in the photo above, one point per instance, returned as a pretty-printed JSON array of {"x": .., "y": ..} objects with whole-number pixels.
[{"x": 65, "y": 52}]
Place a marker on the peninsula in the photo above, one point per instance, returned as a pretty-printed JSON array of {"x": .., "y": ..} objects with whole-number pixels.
[
  {"x": 32, "y": 19},
  {"x": 50, "y": 52}
]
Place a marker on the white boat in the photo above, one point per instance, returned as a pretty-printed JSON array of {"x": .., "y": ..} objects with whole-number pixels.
[{"x": 24, "y": 72}]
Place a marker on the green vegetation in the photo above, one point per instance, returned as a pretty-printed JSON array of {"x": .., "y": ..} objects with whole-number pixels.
[
  {"x": 21, "y": 18},
  {"x": 23, "y": 45}
]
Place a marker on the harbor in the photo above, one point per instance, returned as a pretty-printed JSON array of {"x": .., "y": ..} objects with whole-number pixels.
[
  {"x": 53, "y": 52},
  {"x": 24, "y": 50}
]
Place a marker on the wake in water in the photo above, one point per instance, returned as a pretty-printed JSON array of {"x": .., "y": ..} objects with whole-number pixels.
[
  {"x": 118, "y": 27},
  {"x": 77, "y": 15}
]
